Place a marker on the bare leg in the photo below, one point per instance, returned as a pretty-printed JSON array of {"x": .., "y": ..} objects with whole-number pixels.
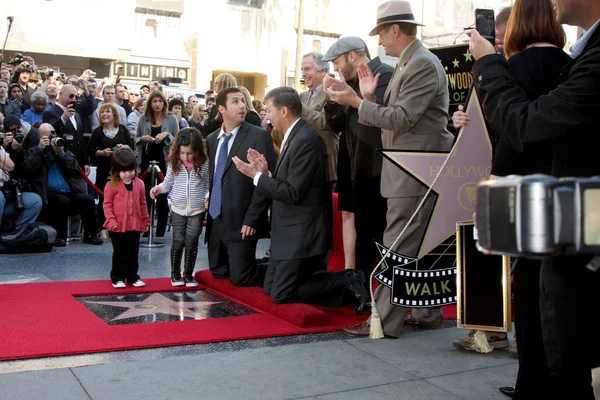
[{"x": 349, "y": 235}]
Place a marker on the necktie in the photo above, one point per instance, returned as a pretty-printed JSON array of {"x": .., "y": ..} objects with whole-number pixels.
[{"x": 214, "y": 208}]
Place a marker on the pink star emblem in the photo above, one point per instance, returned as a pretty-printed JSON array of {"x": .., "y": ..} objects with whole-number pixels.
[
  {"x": 457, "y": 186},
  {"x": 159, "y": 304}
]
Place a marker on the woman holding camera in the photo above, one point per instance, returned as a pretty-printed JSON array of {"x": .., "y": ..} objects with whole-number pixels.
[
  {"x": 108, "y": 137},
  {"x": 154, "y": 134},
  {"x": 533, "y": 46}
]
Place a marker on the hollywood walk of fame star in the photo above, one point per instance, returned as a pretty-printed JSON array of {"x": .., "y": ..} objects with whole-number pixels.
[
  {"x": 468, "y": 56},
  {"x": 456, "y": 63},
  {"x": 456, "y": 188},
  {"x": 157, "y": 303}
]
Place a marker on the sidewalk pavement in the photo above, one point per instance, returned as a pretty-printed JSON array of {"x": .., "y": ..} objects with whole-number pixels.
[{"x": 418, "y": 366}]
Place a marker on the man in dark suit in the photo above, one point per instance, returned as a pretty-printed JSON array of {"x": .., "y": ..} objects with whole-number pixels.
[
  {"x": 237, "y": 217},
  {"x": 301, "y": 223},
  {"x": 567, "y": 118},
  {"x": 68, "y": 124}
]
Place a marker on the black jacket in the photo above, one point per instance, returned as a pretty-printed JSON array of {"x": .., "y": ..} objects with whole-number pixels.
[
  {"x": 301, "y": 217},
  {"x": 37, "y": 164},
  {"x": 360, "y": 142},
  {"x": 78, "y": 147},
  {"x": 240, "y": 204},
  {"x": 566, "y": 119}
]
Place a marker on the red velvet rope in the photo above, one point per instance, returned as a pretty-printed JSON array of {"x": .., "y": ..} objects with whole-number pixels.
[
  {"x": 87, "y": 180},
  {"x": 85, "y": 177}
]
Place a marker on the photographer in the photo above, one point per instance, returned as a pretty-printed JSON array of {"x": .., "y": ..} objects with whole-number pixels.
[
  {"x": 16, "y": 202},
  {"x": 565, "y": 121},
  {"x": 54, "y": 173},
  {"x": 21, "y": 77},
  {"x": 68, "y": 124}
]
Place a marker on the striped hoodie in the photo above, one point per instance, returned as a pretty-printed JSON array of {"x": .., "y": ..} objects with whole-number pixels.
[{"x": 186, "y": 190}]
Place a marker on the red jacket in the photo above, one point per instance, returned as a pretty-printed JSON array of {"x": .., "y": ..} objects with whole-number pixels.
[{"x": 126, "y": 209}]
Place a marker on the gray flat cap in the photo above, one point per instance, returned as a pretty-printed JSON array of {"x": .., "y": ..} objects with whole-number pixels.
[{"x": 344, "y": 46}]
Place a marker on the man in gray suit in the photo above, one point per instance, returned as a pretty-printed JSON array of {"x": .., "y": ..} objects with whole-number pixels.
[
  {"x": 313, "y": 100},
  {"x": 301, "y": 220},
  {"x": 413, "y": 116}
]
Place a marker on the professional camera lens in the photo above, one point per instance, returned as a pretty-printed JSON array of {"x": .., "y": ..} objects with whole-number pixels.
[
  {"x": 19, "y": 137},
  {"x": 57, "y": 141}
]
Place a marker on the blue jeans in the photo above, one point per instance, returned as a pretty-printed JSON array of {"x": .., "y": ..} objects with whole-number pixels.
[{"x": 32, "y": 206}]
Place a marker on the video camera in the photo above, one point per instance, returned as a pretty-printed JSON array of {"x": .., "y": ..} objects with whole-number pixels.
[{"x": 539, "y": 216}]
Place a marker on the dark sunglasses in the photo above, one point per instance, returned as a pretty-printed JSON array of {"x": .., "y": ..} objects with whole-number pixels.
[{"x": 71, "y": 96}]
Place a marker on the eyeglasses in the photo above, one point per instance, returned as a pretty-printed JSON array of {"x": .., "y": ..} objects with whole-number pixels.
[
  {"x": 71, "y": 96},
  {"x": 53, "y": 132}
]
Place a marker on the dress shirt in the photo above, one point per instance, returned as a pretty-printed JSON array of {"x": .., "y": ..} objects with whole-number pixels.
[
  {"x": 219, "y": 143},
  {"x": 285, "y": 137},
  {"x": 229, "y": 144},
  {"x": 73, "y": 121},
  {"x": 579, "y": 45}
]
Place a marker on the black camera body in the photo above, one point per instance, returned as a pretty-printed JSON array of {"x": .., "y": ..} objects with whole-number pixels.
[
  {"x": 12, "y": 192},
  {"x": 538, "y": 216}
]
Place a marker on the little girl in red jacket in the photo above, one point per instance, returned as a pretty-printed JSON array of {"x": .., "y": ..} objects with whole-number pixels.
[{"x": 126, "y": 217}]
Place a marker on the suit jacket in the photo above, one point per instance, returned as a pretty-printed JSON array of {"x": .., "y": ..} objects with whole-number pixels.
[
  {"x": 314, "y": 115},
  {"x": 239, "y": 202},
  {"x": 78, "y": 147},
  {"x": 301, "y": 223},
  {"x": 566, "y": 119},
  {"x": 414, "y": 116}
]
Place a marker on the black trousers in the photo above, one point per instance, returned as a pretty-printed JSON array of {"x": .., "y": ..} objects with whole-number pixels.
[
  {"x": 233, "y": 259},
  {"x": 570, "y": 304},
  {"x": 305, "y": 281},
  {"x": 533, "y": 379},
  {"x": 100, "y": 184},
  {"x": 126, "y": 248},
  {"x": 369, "y": 221},
  {"x": 62, "y": 205}
]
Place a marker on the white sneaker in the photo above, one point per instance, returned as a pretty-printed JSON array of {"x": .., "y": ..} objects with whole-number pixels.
[
  {"x": 138, "y": 283},
  {"x": 119, "y": 285}
]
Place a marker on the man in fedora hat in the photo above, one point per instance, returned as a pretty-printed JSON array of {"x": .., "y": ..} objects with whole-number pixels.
[{"x": 414, "y": 116}]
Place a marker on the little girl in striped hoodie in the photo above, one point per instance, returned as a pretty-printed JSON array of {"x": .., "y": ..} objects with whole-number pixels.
[{"x": 187, "y": 183}]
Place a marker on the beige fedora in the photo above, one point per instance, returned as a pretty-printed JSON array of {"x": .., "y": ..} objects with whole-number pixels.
[{"x": 394, "y": 11}]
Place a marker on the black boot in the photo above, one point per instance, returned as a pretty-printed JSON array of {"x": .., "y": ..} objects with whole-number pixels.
[
  {"x": 176, "y": 267},
  {"x": 188, "y": 270},
  {"x": 356, "y": 286}
]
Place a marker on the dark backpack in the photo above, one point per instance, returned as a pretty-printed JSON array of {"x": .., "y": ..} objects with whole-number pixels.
[{"x": 30, "y": 238}]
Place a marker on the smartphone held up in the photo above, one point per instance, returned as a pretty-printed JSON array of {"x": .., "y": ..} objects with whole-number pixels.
[{"x": 485, "y": 25}]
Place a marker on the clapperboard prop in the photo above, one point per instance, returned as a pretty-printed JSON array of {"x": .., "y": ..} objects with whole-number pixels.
[
  {"x": 484, "y": 294},
  {"x": 416, "y": 288}
]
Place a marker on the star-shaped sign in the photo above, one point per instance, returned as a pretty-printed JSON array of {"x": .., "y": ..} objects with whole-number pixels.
[
  {"x": 456, "y": 63},
  {"x": 157, "y": 303},
  {"x": 468, "y": 56},
  {"x": 469, "y": 163}
]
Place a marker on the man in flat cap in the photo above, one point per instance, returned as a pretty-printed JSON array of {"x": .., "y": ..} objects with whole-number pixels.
[
  {"x": 359, "y": 163},
  {"x": 413, "y": 116}
]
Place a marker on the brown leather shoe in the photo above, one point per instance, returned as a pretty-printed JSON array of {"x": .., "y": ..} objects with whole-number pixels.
[{"x": 358, "y": 329}]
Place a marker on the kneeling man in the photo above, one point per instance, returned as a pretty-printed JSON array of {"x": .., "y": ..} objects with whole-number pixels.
[{"x": 301, "y": 217}]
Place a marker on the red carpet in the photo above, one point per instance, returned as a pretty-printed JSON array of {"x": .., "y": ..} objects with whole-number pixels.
[{"x": 45, "y": 319}]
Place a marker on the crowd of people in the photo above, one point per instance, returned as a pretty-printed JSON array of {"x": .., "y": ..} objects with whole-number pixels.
[{"x": 254, "y": 169}]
